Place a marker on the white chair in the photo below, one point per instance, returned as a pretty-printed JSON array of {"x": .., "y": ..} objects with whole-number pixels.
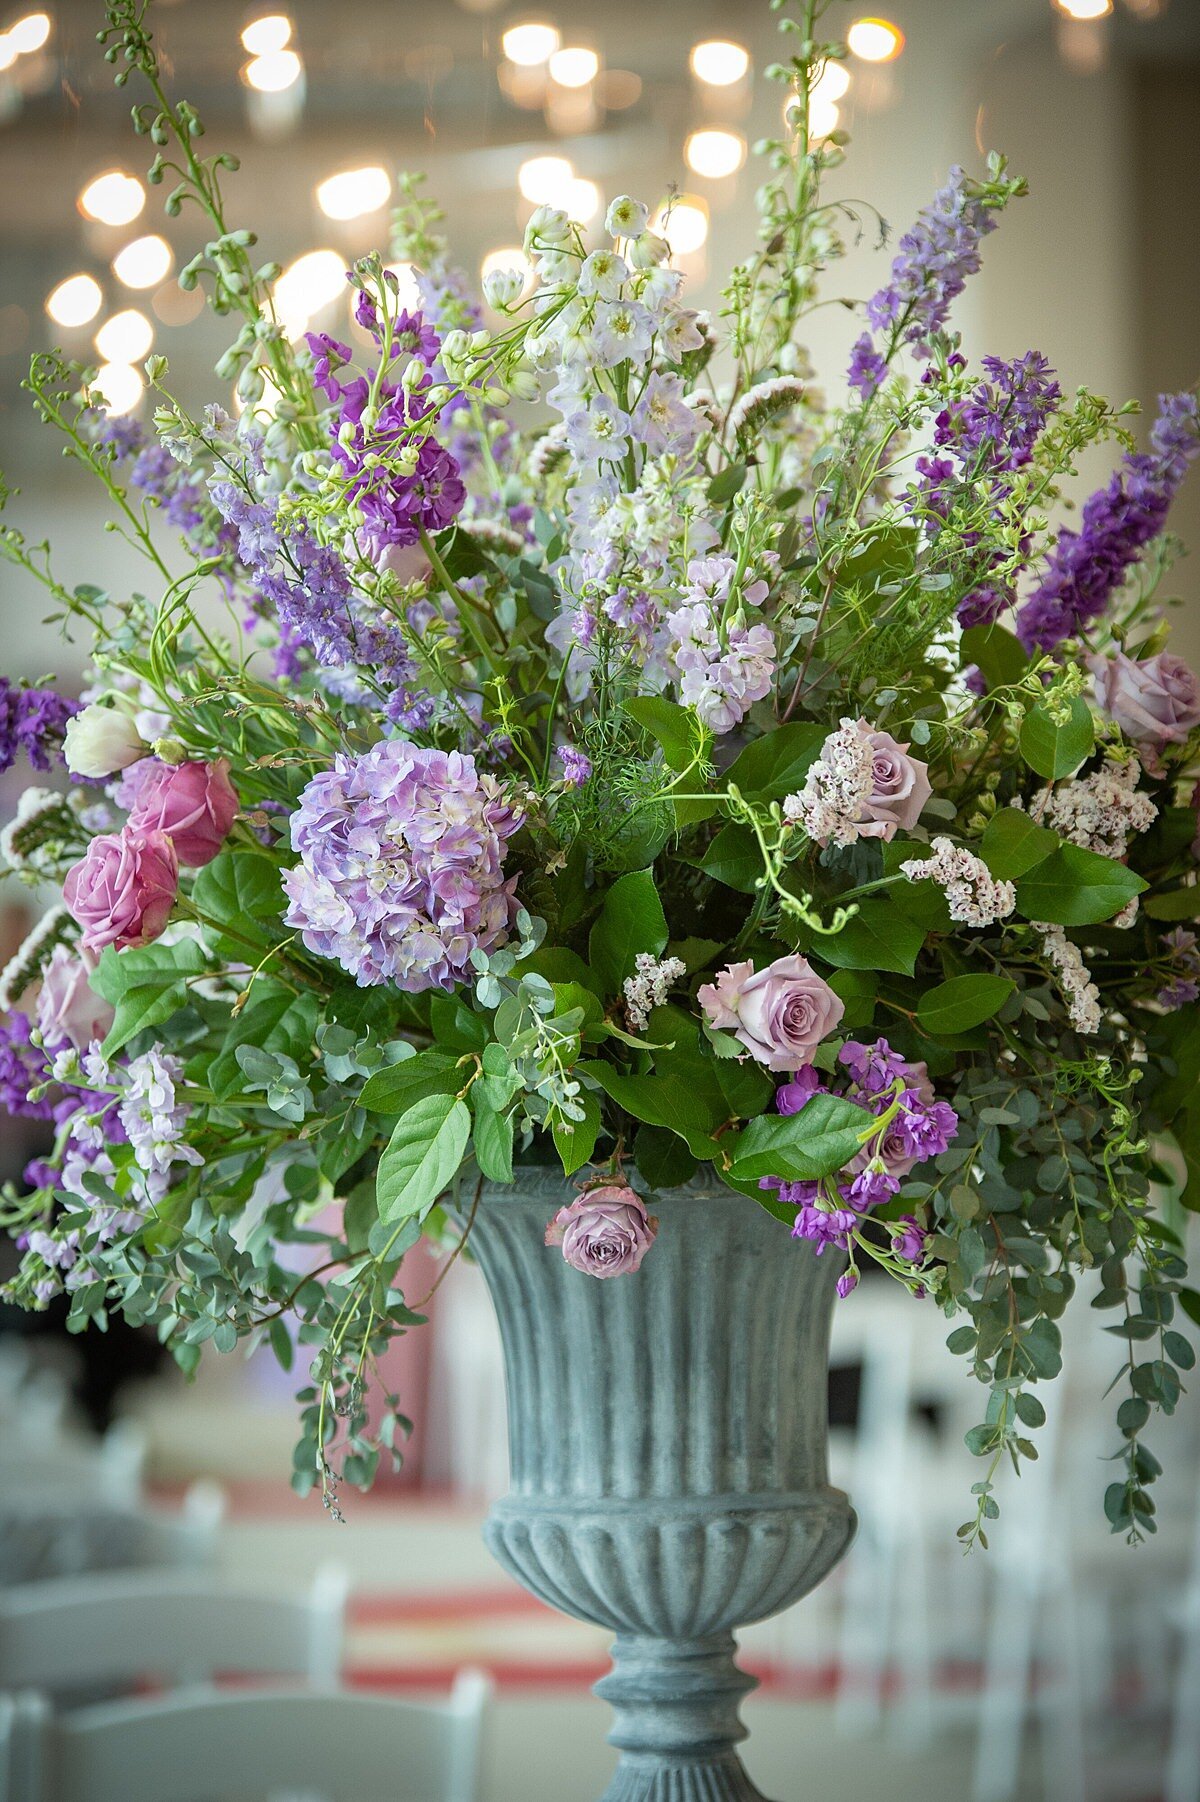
[
  {"x": 64, "y": 1536},
  {"x": 115, "y": 1630},
  {"x": 341, "y": 1745},
  {"x": 45, "y": 1458}
]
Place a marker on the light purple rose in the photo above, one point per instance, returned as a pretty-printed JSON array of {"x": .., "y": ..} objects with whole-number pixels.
[
  {"x": 780, "y": 1014},
  {"x": 605, "y": 1232},
  {"x": 899, "y": 790},
  {"x": 123, "y": 889},
  {"x": 68, "y": 1006},
  {"x": 1154, "y": 703}
]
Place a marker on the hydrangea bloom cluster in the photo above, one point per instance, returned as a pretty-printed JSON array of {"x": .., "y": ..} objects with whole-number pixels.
[
  {"x": 33, "y": 721},
  {"x": 921, "y": 1127},
  {"x": 1086, "y": 567},
  {"x": 974, "y": 895},
  {"x": 401, "y": 870}
]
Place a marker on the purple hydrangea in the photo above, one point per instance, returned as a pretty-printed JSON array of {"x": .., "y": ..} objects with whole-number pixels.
[
  {"x": 401, "y": 872},
  {"x": 1085, "y": 568},
  {"x": 32, "y": 720}
]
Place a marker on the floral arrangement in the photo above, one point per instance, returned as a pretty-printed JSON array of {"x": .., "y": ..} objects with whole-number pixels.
[{"x": 679, "y": 770}]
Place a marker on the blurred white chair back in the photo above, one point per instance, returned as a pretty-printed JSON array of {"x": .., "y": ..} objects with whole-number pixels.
[
  {"x": 117, "y": 1629},
  {"x": 341, "y": 1745},
  {"x": 62, "y": 1536}
]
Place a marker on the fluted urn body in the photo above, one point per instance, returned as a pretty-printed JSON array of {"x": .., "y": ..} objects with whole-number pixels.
[{"x": 667, "y": 1435}]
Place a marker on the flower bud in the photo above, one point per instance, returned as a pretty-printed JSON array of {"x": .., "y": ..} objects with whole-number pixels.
[
  {"x": 649, "y": 249},
  {"x": 502, "y": 288},
  {"x": 101, "y": 740}
]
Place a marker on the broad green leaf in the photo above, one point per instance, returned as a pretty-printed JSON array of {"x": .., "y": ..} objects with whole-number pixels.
[
  {"x": 576, "y": 1146},
  {"x": 1012, "y": 843},
  {"x": 492, "y": 1137},
  {"x": 275, "y": 1018},
  {"x": 734, "y": 859},
  {"x": 776, "y": 764},
  {"x": 963, "y": 1002},
  {"x": 676, "y": 728},
  {"x": 746, "y": 1087},
  {"x": 1074, "y": 887},
  {"x": 856, "y": 990},
  {"x": 455, "y": 1026},
  {"x": 996, "y": 652},
  {"x": 240, "y": 893},
  {"x": 422, "y": 1157},
  {"x": 663, "y": 1159},
  {"x": 145, "y": 985},
  {"x": 821, "y": 1138},
  {"x": 878, "y": 937},
  {"x": 394, "y": 1090},
  {"x": 631, "y": 920},
  {"x": 659, "y": 1101},
  {"x": 1174, "y": 904},
  {"x": 726, "y": 483},
  {"x": 1052, "y": 750}
]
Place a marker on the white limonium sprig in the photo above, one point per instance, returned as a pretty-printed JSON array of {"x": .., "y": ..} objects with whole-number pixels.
[{"x": 24, "y": 968}]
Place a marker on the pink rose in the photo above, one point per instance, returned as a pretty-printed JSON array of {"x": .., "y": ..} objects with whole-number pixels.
[
  {"x": 123, "y": 888},
  {"x": 899, "y": 790},
  {"x": 68, "y": 1006},
  {"x": 1154, "y": 703},
  {"x": 606, "y": 1232},
  {"x": 780, "y": 1014},
  {"x": 193, "y": 803}
]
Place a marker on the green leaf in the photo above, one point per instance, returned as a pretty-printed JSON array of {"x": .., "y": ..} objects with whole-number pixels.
[
  {"x": 455, "y": 1026},
  {"x": 492, "y": 1138},
  {"x": 395, "y": 1089},
  {"x": 1013, "y": 844},
  {"x": 726, "y": 483},
  {"x": 677, "y": 729},
  {"x": 663, "y": 1160},
  {"x": 1174, "y": 904},
  {"x": 821, "y": 1138},
  {"x": 856, "y": 989},
  {"x": 631, "y": 920},
  {"x": 734, "y": 859},
  {"x": 576, "y": 1146},
  {"x": 995, "y": 651},
  {"x": 1052, "y": 750},
  {"x": 422, "y": 1157},
  {"x": 659, "y": 1101},
  {"x": 776, "y": 764},
  {"x": 878, "y": 937},
  {"x": 146, "y": 985},
  {"x": 746, "y": 1087},
  {"x": 1074, "y": 887},
  {"x": 962, "y": 1002},
  {"x": 274, "y": 1018},
  {"x": 240, "y": 892}
]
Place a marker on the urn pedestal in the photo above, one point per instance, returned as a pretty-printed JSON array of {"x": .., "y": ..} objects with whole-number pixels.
[{"x": 667, "y": 1443}]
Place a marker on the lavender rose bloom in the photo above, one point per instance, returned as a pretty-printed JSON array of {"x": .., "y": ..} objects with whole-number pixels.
[
  {"x": 780, "y": 1014},
  {"x": 606, "y": 1232},
  {"x": 195, "y": 804},
  {"x": 1154, "y": 703},
  {"x": 123, "y": 889},
  {"x": 68, "y": 1007},
  {"x": 900, "y": 787}
]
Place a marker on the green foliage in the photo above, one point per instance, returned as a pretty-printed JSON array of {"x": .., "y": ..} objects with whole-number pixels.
[
  {"x": 422, "y": 1157},
  {"x": 631, "y": 920},
  {"x": 1056, "y": 747},
  {"x": 1074, "y": 887}
]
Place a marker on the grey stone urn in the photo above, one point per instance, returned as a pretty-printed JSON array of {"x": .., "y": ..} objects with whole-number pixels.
[{"x": 667, "y": 1442}]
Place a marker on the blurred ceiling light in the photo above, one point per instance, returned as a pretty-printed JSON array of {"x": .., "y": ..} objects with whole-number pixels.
[
  {"x": 574, "y": 67},
  {"x": 176, "y": 306},
  {"x": 719, "y": 63},
  {"x": 263, "y": 37},
  {"x": 831, "y": 83},
  {"x": 143, "y": 263},
  {"x": 715, "y": 153},
  {"x": 310, "y": 283},
  {"x": 619, "y": 88},
  {"x": 126, "y": 337},
  {"x": 531, "y": 43},
  {"x": 1085, "y": 9},
  {"x": 875, "y": 40},
  {"x": 582, "y": 200},
  {"x": 8, "y": 51},
  {"x": 113, "y": 198},
  {"x": 546, "y": 180},
  {"x": 684, "y": 225},
  {"x": 353, "y": 192},
  {"x": 120, "y": 385},
  {"x": 29, "y": 33},
  {"x": 272, "y": 73},
  {"x": 408, "y": 293},
  {"x": 75, "y": 301}
]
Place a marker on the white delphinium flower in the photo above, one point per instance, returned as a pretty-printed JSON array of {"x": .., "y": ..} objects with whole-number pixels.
[
  {"x": 1079, "y": 991},
  {"x": 649, "y": 987},
  {"x": 603, "y": 273},
  {"x": 626, "y": 217},
  {"x": 502, "y": 288},
  {"x": 974, "y": 895}
]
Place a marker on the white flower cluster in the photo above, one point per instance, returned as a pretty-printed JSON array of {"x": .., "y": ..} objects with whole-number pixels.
[
  {"x": 1103, "y": 811},
  {"x": 649, "y": 987},
  {"x": 975, "y": 896},
  {"x": 838, "y": 785},
  {"x": 1079, "y": 991}
]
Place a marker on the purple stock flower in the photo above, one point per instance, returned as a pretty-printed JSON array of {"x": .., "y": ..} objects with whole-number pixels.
[
  {"x": 791, "y": 1096},
  {"x": 847, "y": 1282},
  {"x": 1086, "y": 567},
  {"x": 401, "y": 865},
  {"x": 868, "y": 367},
  {"x": 825, "y": 1226},
  {"x": 909, "y": 1240},
  {"x": 576, "y": 766},
  {"x": 32, "y": 720}
]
